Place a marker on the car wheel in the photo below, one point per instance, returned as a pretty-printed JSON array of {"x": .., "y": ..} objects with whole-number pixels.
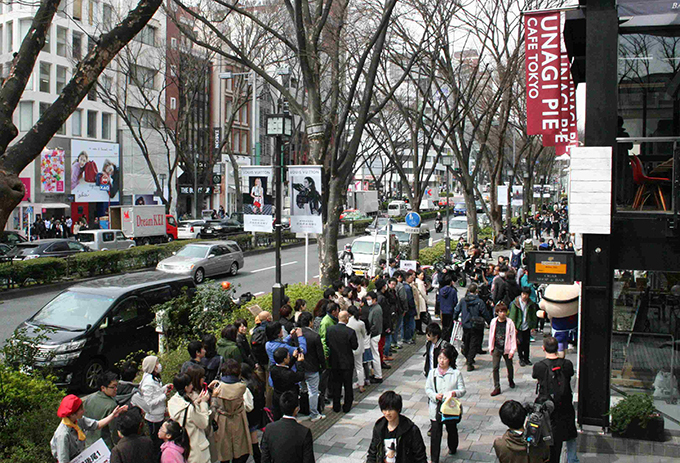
[
  {"x": 91, "y": 375},
  {"x": 199, "y": 276},
  {"x": 233, "y": 270},
  {"x": 146, "y": 242},
  {"x": 170, "y": 238}
]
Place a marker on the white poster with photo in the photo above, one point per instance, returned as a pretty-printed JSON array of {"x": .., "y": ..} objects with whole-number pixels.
[
  {"x": 502, "y": 195},
  {"x": 537, "y": 190},
  {"x": 305, "y": 200},
  {"x": 517, "y": 195},
  {"x": 257, "y": 198},
  {"x": 95, "y": 453},
  {"x": 95, "y": 176}
]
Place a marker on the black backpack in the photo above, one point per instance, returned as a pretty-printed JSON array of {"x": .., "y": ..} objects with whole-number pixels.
[
  {"x": 555, "y": 385},
  {"x": 258, "y": 342}
]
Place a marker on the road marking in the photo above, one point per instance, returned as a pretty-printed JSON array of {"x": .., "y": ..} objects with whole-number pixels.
[
  {"x": 316, "y": 276},
  {"x": 273, "y": 267},
  {"x": 437, "y": 241},
  {"x": 259, "y": 294}
]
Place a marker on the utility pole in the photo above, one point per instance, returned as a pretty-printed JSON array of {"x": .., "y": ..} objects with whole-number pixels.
[{"x": 447, "y": 161}]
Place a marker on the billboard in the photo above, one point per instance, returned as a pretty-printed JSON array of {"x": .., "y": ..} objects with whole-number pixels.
[
  {"x": 95, "y": 175},
  {"x": 305, "y": 199},
  {"x": 257, "y": 198},
  {"x": 52, "y": 171},
  {"x": 517, "y": 195}
]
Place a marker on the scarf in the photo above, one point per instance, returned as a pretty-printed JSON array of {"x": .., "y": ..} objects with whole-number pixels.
[
  {"x": 74, "y": 425},
  {"x": 441, "y": 371}
]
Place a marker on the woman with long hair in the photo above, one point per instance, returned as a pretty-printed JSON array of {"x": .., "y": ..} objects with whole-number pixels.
[
  {"x": 175, "y": 447},
  {"x": 154, "y": 394},
  {"x": 420, "y": 295},
  {"x": 212, "y": 361},
  {"x": 190, "y": 408},
  {"x": 319, "y": 313},
  {"x": 256, "y": 420}
]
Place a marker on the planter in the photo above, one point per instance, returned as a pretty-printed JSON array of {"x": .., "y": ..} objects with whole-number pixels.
[{"x": 654, "y": 430}]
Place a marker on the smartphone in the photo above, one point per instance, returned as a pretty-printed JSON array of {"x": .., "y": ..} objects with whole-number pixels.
[{"x": 170, "y": 387}]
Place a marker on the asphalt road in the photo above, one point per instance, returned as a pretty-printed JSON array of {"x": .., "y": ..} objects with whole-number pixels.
[{"x": 257, "y": 276}]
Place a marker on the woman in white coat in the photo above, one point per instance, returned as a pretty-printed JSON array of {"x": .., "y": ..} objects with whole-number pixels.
[
  {"x": 420, "y": 296},
  {"x": 443, "y": 382},
  {"x": 359, "y": 327},
  {"x": 154, "y": 395},
  {"x": 191, "y": 411}
]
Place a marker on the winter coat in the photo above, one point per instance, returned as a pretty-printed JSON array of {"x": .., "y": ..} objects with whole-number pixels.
[
  {"x": 212, "y": 366},
  {"x": 563, "y": 418},
  {"x": 510, "y": 337},
  {"x": 515, "y": 313},
  {"x": 228, "y": 349},
  {"x": 387, "y": 311},
  {"x": 229, "y": 405},
  {"x": 172, "y": 453},
  {"x": 375, "y": 319},
  {"x": 410, "y": 444},
  {"x": 511, "y": 448},
  {"x": 448, "y": 299},
  {"x": 470, "y": 306},
  {"x": 505, "y": 290},
  {"x": 420, "y": 295},
  {"x": 271, "y": 346},
  {"x": 153, "y": 393},
  {"x": 243, "y": 346},
  {"x": 451, "y": 381},
  {"x": 98, "y": 406},
  {"x": 325, "y": 323},
  {"x": 524, "y": 283},
  {"x": 359, "y": 328},
  {"x": 197, "y": 421},
  {"x": 403, "y": 299},
  {"x": 410, "y": 299}
]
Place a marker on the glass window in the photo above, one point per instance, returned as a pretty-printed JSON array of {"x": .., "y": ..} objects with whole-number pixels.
[
  {"x": 128, "y": 310},
  {"x": 108, "y": 236},
  {"x": 61, "y": 40},
  {"x": 120, "y": 236},
  {"x": 107, "y": 16},
  {"x": 173, "y": 103},
  {"x": 24, "y": 27},
  {"x": 92, "y": 124},
  {"x": 46, "y": 48},
  {"x": 42, "y": 107},
  {"x": 77, "y": 123},
  {"x": 106, "y": 126},
  {"x": 107, "y": 82},
  {"x": 61, "y": 78},
  {"x": 92, "y": 94},
  {"x": 78, "y": 9},
  {"x": 2, "y": 37},
  {"x": 74, "y": 246},
  {"x": 141, "y": 117},
  {"x": 93, "y": 12},
  {"x": 90, "y": 44},
  {"x": 45, "y": 71},
  {"x": 10, "y": 36},
  {"x": 141, "y": 76},
  {"x": 147, "y": 35},
  {"x": 25, "y": 116},
  {"x": 173, "y": 43},
  {"x": 62, "y": 129},
  {"x": 61, "y": 11},
  {"x": 73, "y": 310},
  {"x": 77, "y": 50}
]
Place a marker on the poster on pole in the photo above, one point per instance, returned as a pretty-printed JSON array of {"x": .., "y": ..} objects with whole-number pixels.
[
  {"x": 502, "y": 195},
  {"x": 305, "y": 199},
  {"x": 537, "y": 189},
  {"x": 95, "y": 176},
  {"x": 52, "y": 171},
  {"x": 95, "y": 453},
  {"x": 517, "y": 195},
  {"x": 547, "y": 191},
  {"x": 257, "y": 198}
]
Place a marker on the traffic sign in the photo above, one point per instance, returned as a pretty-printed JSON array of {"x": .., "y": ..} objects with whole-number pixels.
[
  {"x": 217, "y": 178},
  {"x": 412, "y": 230},
  {"x": 412, "y": 219}
]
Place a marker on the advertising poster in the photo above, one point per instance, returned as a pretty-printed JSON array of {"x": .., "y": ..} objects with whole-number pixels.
[
  {"x": 257, "y": 198},
  {"x": 538, "y": 189},
  {"x": 517, "y": 195},
  {"x": 52, "y": 171},
  {"x": 502, "y": 195},
  {"x": 95, "y": 176},
  {"x": 305, "y": 199},
  {"x": 147, "y": 200},
  {"x": 547, "y": 191}
]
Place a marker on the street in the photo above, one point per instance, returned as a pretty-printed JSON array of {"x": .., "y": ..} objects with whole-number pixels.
[{"x": 257, "y": 277}]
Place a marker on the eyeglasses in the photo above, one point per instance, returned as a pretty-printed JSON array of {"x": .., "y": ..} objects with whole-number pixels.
[{"x": 115, "y": 386}]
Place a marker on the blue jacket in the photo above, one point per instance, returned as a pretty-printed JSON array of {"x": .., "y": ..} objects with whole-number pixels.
[
  {"x": 448, "y": 299},
  {"x": 271, "y": 346},
  {"x": 411, "y": 300},
  {"x": 471, "y": 306}
]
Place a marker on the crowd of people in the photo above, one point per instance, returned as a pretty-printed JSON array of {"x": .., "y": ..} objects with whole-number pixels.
[
  {"x": 63, "y": 227},
  {"x": 313, "y": 358}
]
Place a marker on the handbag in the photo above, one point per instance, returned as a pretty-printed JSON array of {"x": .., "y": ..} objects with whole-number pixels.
[
  {"x": 457, "y": 332},
  {"x": 478, "y": 323},
  {"x": 450, "y": 409}
]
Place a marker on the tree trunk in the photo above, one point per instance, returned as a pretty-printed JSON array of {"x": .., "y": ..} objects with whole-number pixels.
[
  {"x": 329, "y": 268},
  {"x": 471, "y": 207},
  {"x": 237, "y": 180}
]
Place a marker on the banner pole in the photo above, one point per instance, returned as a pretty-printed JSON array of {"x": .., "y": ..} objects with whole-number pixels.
[{"x": 306, "y": 257}]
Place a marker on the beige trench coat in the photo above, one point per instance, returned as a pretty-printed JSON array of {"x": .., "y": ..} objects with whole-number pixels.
[{"x": 232, "y": 438}]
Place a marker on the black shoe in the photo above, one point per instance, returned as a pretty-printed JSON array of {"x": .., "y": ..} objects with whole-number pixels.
[
  {"x": 483, "y": 352},
  {"x": 522, "y": 363},
  {"x": 375, "y": 380},
  {"x": 452, "y": 452},
  {"x": 385, "y": 366},
  {"x": 512, "y": 384},
  {"x": 470, "y": 367},
  {"x": 528, "y": 362}
]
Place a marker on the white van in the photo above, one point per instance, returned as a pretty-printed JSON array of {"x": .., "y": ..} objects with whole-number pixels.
[
  {"x": 367, "y": 252},
  {"x": 104, "y": 240},
  {"x": 397, "y": 209},
  {"x": 428, "y": 205}
]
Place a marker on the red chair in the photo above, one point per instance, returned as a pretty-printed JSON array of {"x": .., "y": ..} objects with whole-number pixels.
[{"x": 642, "y": 181}]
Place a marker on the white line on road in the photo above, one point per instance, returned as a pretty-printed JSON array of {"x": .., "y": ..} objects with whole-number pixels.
[
  {"x": 437, "y": 241},
  {"x": 316, "y": 276},
  {"x": 259, "y": 294},
  {"x": 273, "y": 267}
]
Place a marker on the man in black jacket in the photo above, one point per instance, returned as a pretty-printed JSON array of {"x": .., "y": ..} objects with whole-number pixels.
[
  {"x": 389, "y": 314},
  {"x": 314, "y": 363},
  {"x": 433, "y": 346},
  {"x": 286, "y": 440},
  {"x": 133, "y": 446},
  {"x": 342, "y": 340},
  {"x": 284, "y": 378},
  {"x": 473, "y": 313}
]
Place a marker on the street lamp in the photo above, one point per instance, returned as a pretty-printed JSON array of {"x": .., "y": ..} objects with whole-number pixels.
[
  {"x": 278, "y": 126},
  {"x": 447, "y": 162}
]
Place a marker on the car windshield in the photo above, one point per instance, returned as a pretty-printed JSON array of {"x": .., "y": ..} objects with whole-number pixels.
[
  {"x": 23, "y": 250},
  {"x": 402, "y": 236},
  {"x": 460, "y": 206},
  {"x": 364, "y": 247},
  {"x": 73, "y": 310},
  {"x": 193, "y": 250},
  {"x": 86, "y": 237},
  {"x": 458, "y": 224},
  {"x": 380, "y": 222}
]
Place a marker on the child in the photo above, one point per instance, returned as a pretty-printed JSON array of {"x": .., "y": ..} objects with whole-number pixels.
[
  {"x": 78, "y": 168},
  {"x": 175, "y": 447},
  {"x": 502, "y": 344},
  {"x": 512, "y": 447}
]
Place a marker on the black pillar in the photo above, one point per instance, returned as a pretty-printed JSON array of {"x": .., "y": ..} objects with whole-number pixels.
[
  {"x": 277, "y": 289},
  {"x": 596, "y": 296}
]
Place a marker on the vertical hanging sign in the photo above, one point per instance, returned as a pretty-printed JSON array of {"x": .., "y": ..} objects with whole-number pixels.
[
  {"x": 305, "y": 200},
  {"x": 257, "y": 198}
]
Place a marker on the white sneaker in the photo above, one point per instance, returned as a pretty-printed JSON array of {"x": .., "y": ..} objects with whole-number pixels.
[{"x": 317, "y": 418}]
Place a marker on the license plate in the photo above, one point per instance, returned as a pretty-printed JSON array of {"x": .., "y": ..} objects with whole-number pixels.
[{"x": 359, "y": 272}]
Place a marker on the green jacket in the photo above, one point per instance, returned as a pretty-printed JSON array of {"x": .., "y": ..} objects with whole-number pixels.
[
  {"x": 515, "y": 313},
  {"x": 98, "y": 406},
  {"x": 229, "y": 350},
  {"x": 325, "y": 323}
]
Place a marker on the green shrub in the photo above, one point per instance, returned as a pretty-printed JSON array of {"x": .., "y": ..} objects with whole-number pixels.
[
  {"x": 42, "y": 270},
  {"x": 635, "y": 407},
  {"x": 311, "y": 293},
  {"x": 429, "y": 256}
]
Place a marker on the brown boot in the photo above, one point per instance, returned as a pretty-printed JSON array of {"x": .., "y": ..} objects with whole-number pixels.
[{"x": 496, "y": 392}]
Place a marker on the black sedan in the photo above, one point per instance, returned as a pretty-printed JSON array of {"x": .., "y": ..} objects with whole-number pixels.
[
  {"x": 220, "y": 228},
  {"x": 57, "y": 247}
]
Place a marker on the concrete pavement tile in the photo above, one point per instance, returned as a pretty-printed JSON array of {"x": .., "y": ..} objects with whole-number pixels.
[
  {"x": 481, "y": 456},
  {"x": 340, "y": 451}
]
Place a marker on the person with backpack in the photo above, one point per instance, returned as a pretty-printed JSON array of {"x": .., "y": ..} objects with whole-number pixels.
[
  {"x": 516, "y": 257},
  {"x": 554, "y": 383},
  {"x": 523, "y": 315},
  {"x": 512, "y": 448},
  {"x": 502, "y": 345},
  {"x": 474, "y": 316}
]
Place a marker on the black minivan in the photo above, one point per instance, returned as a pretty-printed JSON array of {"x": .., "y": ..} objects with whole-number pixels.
[{"x": 97, "y": 323}]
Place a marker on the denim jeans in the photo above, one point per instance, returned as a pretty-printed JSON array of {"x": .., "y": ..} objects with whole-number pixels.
[
  {"x": 409, "y": 327},
  {"x": 388, "y": 344},
  {"x": 572, "y": 457},
  {"x": 398, "y": 336},
  {"x": 312, "y": 385}
]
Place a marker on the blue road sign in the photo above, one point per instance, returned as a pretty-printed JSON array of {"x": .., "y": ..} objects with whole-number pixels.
[{"x": 412, "y": 219}]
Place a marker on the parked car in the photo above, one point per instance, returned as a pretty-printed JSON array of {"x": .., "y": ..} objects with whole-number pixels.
[
  {"x": 12, "y": 238},
  {"x": 221, "y": 227},
  {"x": 399, "y": 230},
  {"x": 55, "y": 247},
  {"x": 203, "y": 259},
  {"x": 95, "y": 324},
  {"x": 379, "y": 224},
  {"x": 397, "y": 208},
  {"x": 190, "y": 229},
  {"x": 442, "y": 202},
  {"x": 4, "y": 249},
  {"x": 369, "y": 250},
  {"x": 460, "y": 209},
  {"x": 458, "y": 227},
  {"x": 105, "y": 240}
]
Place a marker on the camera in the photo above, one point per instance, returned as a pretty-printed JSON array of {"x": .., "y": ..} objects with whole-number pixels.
[{"x": 537, "y": 430}]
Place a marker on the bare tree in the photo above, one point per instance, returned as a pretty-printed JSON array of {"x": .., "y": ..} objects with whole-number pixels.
[{"x": 15, "y": 158}]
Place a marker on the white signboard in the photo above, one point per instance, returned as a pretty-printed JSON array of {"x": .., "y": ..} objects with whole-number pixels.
[
  {"x": 95, "y": 453},
  {"x": 95, "y": 175},
  {"x": 502, "y": 195},
  {"x": 590, "y": 185},
  {"x": 257, "y": 198},
  {"x": 517, "y": 195},
  {"x": 412, "y": 230},
  {"x": 305, "y": 199},
  {"x": 408, "y": 265}
]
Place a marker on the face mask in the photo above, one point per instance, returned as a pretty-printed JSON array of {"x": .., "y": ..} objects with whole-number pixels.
[{"x": 159, "y": 368}]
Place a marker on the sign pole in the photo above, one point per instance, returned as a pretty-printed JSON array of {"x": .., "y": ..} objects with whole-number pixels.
[{"x": 306, "y": 257}]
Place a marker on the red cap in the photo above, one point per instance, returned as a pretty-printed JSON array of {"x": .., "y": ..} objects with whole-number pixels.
[{"x": 69, "y": 405}]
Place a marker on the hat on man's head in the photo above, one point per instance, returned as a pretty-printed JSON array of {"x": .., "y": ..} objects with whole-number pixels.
[{"x": 69, "y": 405}]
